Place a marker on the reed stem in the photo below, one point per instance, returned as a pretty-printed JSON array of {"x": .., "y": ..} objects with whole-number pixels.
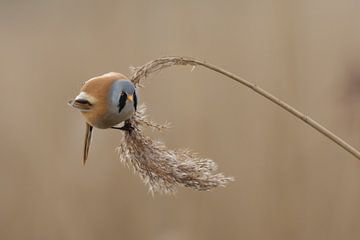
[{"x": 164, "y": 62}]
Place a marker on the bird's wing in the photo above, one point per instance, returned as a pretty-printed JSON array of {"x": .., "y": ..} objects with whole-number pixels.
[{"x": 88, "y": 132}]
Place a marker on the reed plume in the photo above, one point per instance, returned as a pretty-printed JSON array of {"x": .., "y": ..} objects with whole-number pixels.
[{"x": 164, "y": 169}]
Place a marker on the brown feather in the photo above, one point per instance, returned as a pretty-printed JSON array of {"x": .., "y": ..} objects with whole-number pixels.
[{"x": 88, "y": 132}]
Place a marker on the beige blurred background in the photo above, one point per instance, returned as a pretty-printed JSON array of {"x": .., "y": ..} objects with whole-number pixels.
[{"x": 291, "y": 182}]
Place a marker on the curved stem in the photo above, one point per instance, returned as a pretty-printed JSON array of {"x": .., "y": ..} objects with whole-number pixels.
[{"x": 164, "y": 62}]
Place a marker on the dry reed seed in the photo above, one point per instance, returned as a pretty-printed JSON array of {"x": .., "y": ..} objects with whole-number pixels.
[{"x": 163, "y": 169}]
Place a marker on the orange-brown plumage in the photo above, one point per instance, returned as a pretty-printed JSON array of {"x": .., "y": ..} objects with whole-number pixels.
[
  {"x": 105, "y": 101},
  {"x": 98, "y": 88}
]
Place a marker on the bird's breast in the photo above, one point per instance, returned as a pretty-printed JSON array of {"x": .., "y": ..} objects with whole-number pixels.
[{"x": 108, "y": 118}]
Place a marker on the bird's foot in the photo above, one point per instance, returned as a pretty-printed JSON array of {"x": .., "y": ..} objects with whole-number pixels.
[{"x": 127, "y": 127}]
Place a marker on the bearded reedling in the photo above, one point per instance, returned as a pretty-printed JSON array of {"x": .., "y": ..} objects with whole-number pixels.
[{"x": 106, "y": 101}]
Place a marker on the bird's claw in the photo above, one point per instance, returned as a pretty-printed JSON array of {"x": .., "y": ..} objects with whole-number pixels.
[{"x": 127, "y": 127}]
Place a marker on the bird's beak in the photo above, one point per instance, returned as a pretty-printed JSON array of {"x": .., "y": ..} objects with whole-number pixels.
[{"x": 130, "y": 98}]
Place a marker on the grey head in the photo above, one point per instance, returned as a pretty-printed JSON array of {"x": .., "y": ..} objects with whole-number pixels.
[{"x": 123, "y": 100}]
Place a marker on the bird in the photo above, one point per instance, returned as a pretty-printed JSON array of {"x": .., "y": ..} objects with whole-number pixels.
[{"x": 106, "y": 101}]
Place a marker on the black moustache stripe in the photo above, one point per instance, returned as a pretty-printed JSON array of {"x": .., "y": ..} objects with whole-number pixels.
[
  {"x": 122, "y": 101},
  {"x": 135, "y": 101}
]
